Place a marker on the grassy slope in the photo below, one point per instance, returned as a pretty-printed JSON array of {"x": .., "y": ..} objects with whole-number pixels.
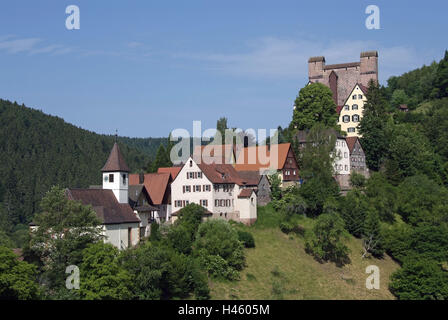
[{"x": 279, "y": 268}]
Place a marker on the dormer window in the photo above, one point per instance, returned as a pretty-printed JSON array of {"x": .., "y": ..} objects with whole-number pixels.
[
  {"x": 111, "y": 177},
  {"x": 124, "y": 178}
]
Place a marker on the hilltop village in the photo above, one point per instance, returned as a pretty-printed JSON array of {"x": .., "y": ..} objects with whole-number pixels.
[{"x": 221, "y": 178}]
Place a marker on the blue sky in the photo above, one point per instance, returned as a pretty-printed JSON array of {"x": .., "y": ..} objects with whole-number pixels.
[{"x": 148, "y": 67}]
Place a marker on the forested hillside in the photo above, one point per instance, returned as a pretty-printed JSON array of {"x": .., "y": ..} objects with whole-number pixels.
[{"x": 38, "y": 151}]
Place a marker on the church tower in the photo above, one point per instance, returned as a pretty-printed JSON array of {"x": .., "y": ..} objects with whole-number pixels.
[{"x": 116, "y": 175}]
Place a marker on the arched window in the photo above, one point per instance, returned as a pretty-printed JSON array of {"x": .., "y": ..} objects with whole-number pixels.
[
  {"x": 355, "y": 118},
  {"x": 346, "y": 119},
  {"x": 355, "y": 107}
]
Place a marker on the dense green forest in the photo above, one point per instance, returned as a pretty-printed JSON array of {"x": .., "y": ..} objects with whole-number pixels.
[{"x": 38, "y": 151}]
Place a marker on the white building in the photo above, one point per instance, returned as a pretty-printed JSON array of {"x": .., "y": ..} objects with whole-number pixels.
[
  {"x": 121, "y": 224},
  {"x": 216, "y": 187}
]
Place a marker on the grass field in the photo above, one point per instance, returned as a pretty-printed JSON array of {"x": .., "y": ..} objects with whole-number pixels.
[{"x": 279, "y": 268}]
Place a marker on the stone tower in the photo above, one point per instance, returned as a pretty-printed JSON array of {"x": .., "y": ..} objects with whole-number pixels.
[{"x": 341, "y": 78}]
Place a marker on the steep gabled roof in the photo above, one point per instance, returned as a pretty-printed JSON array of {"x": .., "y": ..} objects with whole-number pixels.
[
  {"x": 115, "y": 162},
  {"x": 105, "y": 204},
  {"x": 351, "y": 141},
  {"x": 338, "y": 109},
  {"x": 363, "y": 88},
  {"x": 157, "y": 185},
  {"x": 173, "y": 171}
]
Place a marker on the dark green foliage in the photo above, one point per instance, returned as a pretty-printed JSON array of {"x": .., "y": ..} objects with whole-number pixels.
[
  {"x": 73, "y": 227},
  {"x": 441, "y": 78},
  {"x": 38, "y": 151},
  {"x": 160, "y": 272},
  {"x": 162, "y": 159},
  {"x": 190, "y": 217},
  {"x": 417, "y": 85},
  {"x": 314, "y": 105},
  {"x": 218, "y": 247},
  {"x": 423, "y": 242},
  {"x": 409, "y": 154},
  {"x": 357, "y": 180},
  {"x": 354, "y": 211},
  {"x": 420, "y": 280},
  {"x": 154, "y": 234},
  {"x": 372, "y": 237},
  {"x": 325, "y": 240},
  {"x": 101, "y": 276},
  {"x": 246, "y": 238},
  {"x": 180, "y": 238},
  {"x": 422, "y": 200},
  {"x": 17, "y": 278},
  {"x": 373, "y": 128},
  {"x": 382, "y": 196}
]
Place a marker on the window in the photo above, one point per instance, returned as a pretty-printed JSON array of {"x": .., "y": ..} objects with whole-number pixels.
[
  {"x": 346, "y": 119},
  {"x": 200, "y": 175},
  {"x": 216, "y": 203},
  {"x": 355, "y": 118},
  {"x": 359, "y": 96},
  {"x": 354, "y": 97},
  {"x": 355, "y": 107},
  {"x": 346, "y": 167},
  {"x": 345, "y": 154},
  {"x": 351, "y": 129},
  {"x": 191, "y": 163},
  {"x": 129, "y": 237},
  {"x": 346, "y": 107},
  {"x": 204, "y": 203},
  {"x": 197, "y": 188},
  {"x": 111, "y": 177},
  {"x": 124, "y": 178},
  {"x": 206, "y": 187}
]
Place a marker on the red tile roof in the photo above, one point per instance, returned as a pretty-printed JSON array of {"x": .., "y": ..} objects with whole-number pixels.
[
  {"x": 246, "y": 193},
  {"x": 351, "y": 142},
  {"x": 258, "y": 157},
  {"x": 221, "y": 173},
  {"x": 115, "y": 162},
  {"x": 251, "y": 178},
  {"x": 173, "y": 171},
  {"x": 157, "y": 185},
  {"x": 363, "y": 88},
  {"x": 105, "y": 204}
]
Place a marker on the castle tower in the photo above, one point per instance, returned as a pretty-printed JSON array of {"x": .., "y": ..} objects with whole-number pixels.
[
  {"x": 342, "y": 77},
  {"x": 116, "y": 175}
]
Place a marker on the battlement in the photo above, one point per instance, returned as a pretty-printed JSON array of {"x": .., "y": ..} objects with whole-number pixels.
[{"x": 342, "y": 77}]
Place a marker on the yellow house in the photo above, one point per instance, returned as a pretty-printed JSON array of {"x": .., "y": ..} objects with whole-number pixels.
[{"x": 350, "y": 114}]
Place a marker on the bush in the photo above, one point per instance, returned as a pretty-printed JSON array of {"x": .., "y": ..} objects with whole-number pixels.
[
  {"x": 324, "y": 242},
  {"x": 420, "y": 280},
  {"x": 246, "y": 238},
  {"x": 217, "y": 242}
]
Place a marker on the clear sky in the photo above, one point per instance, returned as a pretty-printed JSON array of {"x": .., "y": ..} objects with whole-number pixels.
[{"x": 148, "y": 67}]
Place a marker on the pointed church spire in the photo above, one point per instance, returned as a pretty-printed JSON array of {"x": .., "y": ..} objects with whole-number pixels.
[{"x": 115, "y": 162}]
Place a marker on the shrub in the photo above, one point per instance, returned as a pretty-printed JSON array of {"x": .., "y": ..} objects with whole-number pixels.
[
  {"x": 324, "y": 242},
  {"x": 420, "y": 280},
  {"x": 217, "y": 242},
  {"x": 246, "y": 238}
]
